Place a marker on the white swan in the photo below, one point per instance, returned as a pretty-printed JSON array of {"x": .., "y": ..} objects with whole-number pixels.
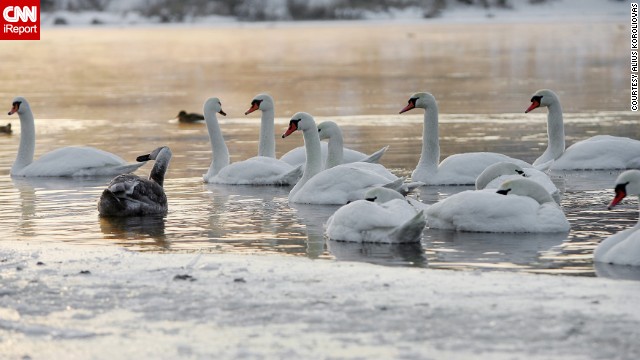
[
  {"x": 622, "y": 248},
  {"x": 527, "y": 208},
  {"x": 267, "y": 144},
  {"x": 131, "y": 195},
  {"x": 67, "y": 161},
  {"x": 329, "y": 130},
  {"x": 339, "y": 184},
  {"x": 494, "y": 175},
  {"x": 384, "y": 216},
  {"x": 333, "y": 152},
  {"x": 598, "y": 152},
  {"x": 258, "y": 170},
  {"x": 458, "y": 169}
]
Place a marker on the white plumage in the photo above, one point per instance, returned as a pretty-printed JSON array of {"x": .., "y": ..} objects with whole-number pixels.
[
  {"x": 264, "y": 169},
  {"x": 598, "y": 152},
  {"x": 528, "y": 207},
  {"x": 339, "y": 184},
  {"x": 385, "y": 216},
  {"x": 67, "y": 161},
  {"x": 458, "y": 169},
  {"x": 622, "y": 248}
]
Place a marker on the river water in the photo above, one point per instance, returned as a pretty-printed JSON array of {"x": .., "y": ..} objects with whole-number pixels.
[{"x": 119, "y": 89}]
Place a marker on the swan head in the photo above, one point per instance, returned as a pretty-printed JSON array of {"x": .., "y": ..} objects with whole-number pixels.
[
  {"x": 381, "y": 195},
  {"x": 260, "y": 102},
  {"x": 544, "y": 97},
  {"x": 423, "y": 100},
  {"x": 328, "y": 129},
  {"x": 212, "y": 106},
  {"x": 525, "y": 187},
  {"x": 163, "y": 151},
  {"x": 19, "y": 105},
  {"x": 300, "y": 121},
  {"x": 627, "y": 183}
]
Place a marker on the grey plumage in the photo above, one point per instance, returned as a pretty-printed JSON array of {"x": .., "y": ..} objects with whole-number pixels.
[{"x": 131, "y": 195}]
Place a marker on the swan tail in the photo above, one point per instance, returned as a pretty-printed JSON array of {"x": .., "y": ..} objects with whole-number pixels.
[
  {"x": 109, "y": 204},
  {"x": 411, "y": 231},
  {"x": 128, "y": 168},
  {"x": 291, "y": 177},
  {"x": 403, "y": 188},
  {"x": 375, "y": 157},
  {"x": 396, "y": 185}
]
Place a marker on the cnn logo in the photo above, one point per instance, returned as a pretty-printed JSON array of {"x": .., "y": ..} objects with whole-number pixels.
[{"x": 20, "y": 20}]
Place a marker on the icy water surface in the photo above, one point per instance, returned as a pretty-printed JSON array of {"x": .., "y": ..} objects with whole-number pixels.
[
  {"x": 248, "y": 219},
  {"x": 118, "y": 89}
]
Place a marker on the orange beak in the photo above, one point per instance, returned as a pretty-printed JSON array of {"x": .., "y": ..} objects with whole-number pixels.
[
  {"x": 534, "y": 104},
  {"x": 292, "y": 127},
  {"x": 409, "y": 106},
  {"x": 14, "y": 109},
  {"x": 620, "y": 194},
  {"x": 253, "y": 108}
]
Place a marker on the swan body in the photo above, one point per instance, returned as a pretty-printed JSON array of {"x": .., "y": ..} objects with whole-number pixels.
[
  {"x": 528, "y": 207},
  {"x": 458, "y": 169},
  {"x": 494, "y": 175},
  {"x": 622, "y": 248},
  {"x": 339, "y": 184},
  {"x": 329, "y": 130},
  {"x": 131, "y": 195},
  {"x": 384, "y": 216},
  {"x": 598, "y": 152},
  {"x": 264, "y": 169},
  {"x": 67, "y": 161},
  {"x": 333, "y": 152}
]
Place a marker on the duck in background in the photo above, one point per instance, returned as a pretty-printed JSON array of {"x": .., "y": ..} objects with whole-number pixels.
[
  {"x": 131, "y": 195},
  {"x": 185, "y": 117},
  {"x": 6, "y": 129}
]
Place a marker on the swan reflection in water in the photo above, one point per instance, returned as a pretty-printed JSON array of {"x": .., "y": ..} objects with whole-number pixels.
[
  {"x": 376, "y": 253},
  {"x": 455, "y": 249},
  {"x": 147, "y": 232},
  {"x": 621, "y": 272}
]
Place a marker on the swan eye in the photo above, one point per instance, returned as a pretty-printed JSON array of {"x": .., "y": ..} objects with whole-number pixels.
[
  {"x": 256, "y": 102},
  {"x": 503, "y": 192},
  {"x": 537, "y": 98},
  {"x": 520, "y": 172},
  {"x": 412, "y": 101},
  {"x": 17, "y": 104}
]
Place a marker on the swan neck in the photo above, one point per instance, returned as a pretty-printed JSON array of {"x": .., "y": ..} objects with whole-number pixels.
[
  {"x": 335, "y": 151},
  {"x": 218, "y": 147},
  {"x": 430, "y": 156},
  {"x": 555, "y": 130},
  {"x": 27, "y": 146},
  {"x": 160, "y": 167},
  {"x": 313, "y": 163},
  {"x": 267, "y": 146}
]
